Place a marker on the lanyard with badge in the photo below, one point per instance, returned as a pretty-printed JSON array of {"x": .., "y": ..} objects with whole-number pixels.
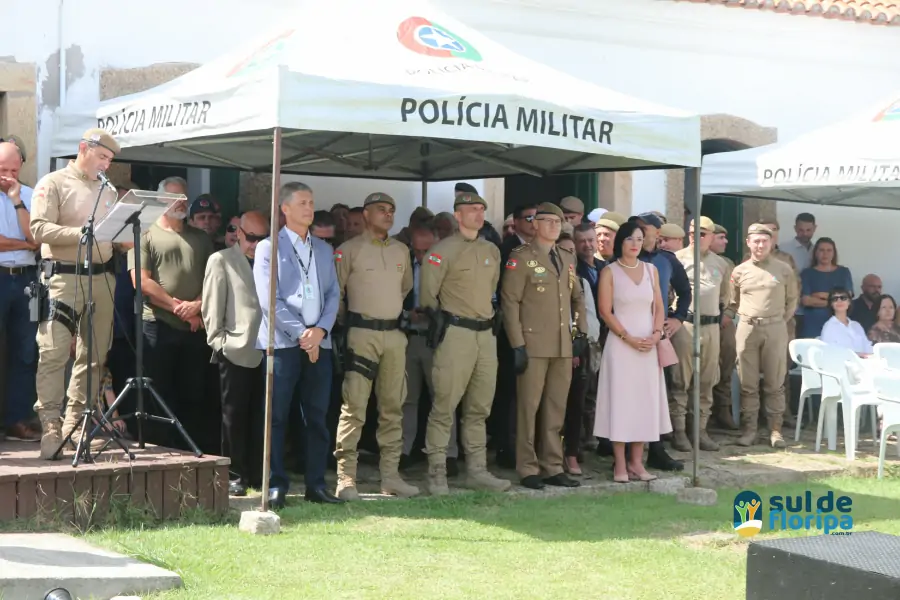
[{"x": 308, "y": 292}]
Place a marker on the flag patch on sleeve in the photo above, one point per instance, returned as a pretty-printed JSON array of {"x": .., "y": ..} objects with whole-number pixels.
[
  {"x": 511, "y": 263},
  {"x": 435, "y": 259},
  {"x": 338, "y": 255}
]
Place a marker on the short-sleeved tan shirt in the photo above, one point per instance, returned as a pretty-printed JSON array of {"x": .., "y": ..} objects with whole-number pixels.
[{"x": 374, "y": 276}]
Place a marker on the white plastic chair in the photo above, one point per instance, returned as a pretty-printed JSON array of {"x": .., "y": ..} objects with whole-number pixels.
[
  {"x": 888, "y": 353},
  {"x": 887, "y": 386},
  {"x": 810, "y": 381},
  {"x": 844, "y": 381}
]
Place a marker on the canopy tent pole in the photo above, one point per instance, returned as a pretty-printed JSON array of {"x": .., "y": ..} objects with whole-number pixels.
[
  {"x": 270, "y": 343},
  {"x": 692, "y": 194},
  {"x": 424, "y": 151}
]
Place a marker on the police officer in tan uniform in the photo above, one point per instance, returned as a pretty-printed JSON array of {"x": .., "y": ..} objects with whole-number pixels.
[
  {"x": 705, "y": 314},
  {"x": 539, "y": 284},
  {"x": 374, "y": 275},
  {"x": 62, "y": 203},
  {"x": 458, "y": 281},
  {"x": 721, "y": 410},
  {"x": 792, "y": 323},
  {"x": 778, "y": 253},
  {"x": 764, "y": 296}
]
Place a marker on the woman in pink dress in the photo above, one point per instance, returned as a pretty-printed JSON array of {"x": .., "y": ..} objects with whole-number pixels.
[{"x": 632, "y": 407}]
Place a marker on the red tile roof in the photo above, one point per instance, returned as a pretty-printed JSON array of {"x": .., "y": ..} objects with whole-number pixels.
[{"x": 873, "y": 12}]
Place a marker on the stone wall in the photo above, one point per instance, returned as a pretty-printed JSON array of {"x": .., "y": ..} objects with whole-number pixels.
[
  {"x": 741, "y": 133},
  {"x": 18, "y": 111}
]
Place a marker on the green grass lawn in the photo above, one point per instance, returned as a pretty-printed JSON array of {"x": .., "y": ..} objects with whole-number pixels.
[{"x": 625, "y": 546}]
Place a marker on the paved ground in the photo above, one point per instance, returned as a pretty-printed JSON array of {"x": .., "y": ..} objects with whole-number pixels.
[
  {"x": 32, "y": 564},
  {"x": 731, "y": 466}
]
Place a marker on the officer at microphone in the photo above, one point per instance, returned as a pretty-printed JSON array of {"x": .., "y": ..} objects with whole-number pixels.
[{"x": 62, "y": 203}]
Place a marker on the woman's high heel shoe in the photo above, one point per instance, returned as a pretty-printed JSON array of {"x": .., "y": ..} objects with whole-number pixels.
[{"x": 644, "y": 477}]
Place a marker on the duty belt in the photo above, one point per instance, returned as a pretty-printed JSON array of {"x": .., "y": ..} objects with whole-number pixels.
[
  {"x": 63, "y": 268},
  {"x": 761, "y": 320},
  {"x": 359, "y": 321},
  {"x": 704, "y": 319},
  {"x": 473, "y": 324}
]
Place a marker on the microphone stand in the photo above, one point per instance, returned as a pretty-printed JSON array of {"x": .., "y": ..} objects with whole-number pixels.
[
  {"x": 83, "y": 448},
  {"x": 139, "y": 383}
]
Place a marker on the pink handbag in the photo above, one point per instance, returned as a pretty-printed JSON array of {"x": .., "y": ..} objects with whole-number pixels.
[{"x": 666, "y": 353}]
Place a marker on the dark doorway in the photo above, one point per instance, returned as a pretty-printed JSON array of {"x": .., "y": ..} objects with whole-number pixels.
[
  {"x": 527, "y": 189},
  {"x": 727, "y": 211}
]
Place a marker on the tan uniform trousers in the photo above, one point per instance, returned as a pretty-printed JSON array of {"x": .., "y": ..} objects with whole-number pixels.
[
  {"x": 465, "y": 370},
  {"x": 760, "y": 351},
  {"x": 727, "y": 360},
  {"x": 419, "y": 364},
  {"x": 54, "y": 342},
  {"x": 543, "y": 391},
  {"x": 388, "y": 350},
  {"x": 683, "y": 376}
]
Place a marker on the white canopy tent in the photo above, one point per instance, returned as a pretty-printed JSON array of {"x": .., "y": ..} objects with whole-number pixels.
[
  {"x": 853, "y": 163},
  {"x": 398, "y": 91},
  {"x": 386, "y": 90}
]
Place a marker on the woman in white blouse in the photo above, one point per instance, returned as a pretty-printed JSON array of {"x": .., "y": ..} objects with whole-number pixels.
[{"x": 839, "y": 330}]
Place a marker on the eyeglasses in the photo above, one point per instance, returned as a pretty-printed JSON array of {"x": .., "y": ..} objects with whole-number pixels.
[
  {"x": 840, "y": 298},
  {"x": 231, "y": 228},
  {"x": 253, "y": 238}
]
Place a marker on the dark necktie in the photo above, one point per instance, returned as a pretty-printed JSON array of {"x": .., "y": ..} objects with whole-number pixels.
[{"x": 555, "y": 261}]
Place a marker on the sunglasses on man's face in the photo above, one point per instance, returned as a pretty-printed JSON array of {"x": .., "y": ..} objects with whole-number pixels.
[
  {"x": 252, "y": 237},
  {"x": 231, "y": 228}
]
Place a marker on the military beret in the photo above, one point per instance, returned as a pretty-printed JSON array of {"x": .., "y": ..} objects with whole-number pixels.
[
  {"x": 469, "y": 198},
  {"x": 758, "y": 228},
  {"x": 604, "y": 222},
  {"x": 548, "y": 208},
  {"x": 671, "y": 230},
  {"x": 706, "y": 224},
  {"x": 377, "y": 197},
  {"x": 422, "y": 214},
  {"x": 615, "y": 217},
  {"x": 571, "y": 204},
  {"x": 103, "y": 139},
  {"x": 720, "y": 229}
]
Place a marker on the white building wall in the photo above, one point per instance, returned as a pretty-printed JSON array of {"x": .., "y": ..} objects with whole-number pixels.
[{"x": 795, "y": 73}]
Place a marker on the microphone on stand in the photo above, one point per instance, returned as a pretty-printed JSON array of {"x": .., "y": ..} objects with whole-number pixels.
[{"x": 105, "y": 180}]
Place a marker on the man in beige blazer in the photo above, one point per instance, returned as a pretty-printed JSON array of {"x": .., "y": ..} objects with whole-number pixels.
[{"x": 232, "y": 316}]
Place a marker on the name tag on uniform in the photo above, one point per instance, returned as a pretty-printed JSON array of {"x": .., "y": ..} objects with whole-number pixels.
[{"x": 309, "y": 293}]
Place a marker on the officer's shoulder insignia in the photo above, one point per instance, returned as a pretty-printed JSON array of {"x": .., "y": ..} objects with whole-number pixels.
[
  {"x": 435, "y": 259},
  {"x": 520, "y": 248},
  {"x": 565, "y": 250},
  {"x": 511, "y": 263},
  {"x": 338, "y": 255}
]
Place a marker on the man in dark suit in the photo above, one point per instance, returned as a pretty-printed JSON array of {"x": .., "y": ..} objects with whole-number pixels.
[
  {"x": 306, "y": 306},
  {"x": 503, "y": 412}
]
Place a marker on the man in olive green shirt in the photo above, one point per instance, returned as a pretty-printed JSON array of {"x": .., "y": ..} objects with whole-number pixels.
[{"x": 173, "y": 263}]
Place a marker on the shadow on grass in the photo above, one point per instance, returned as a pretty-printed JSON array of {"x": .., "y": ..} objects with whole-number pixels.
[{"x": 587, "y": 517}]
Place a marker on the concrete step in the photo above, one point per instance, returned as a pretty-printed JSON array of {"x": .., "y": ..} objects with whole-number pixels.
[{"x": 32, "y": 564}]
